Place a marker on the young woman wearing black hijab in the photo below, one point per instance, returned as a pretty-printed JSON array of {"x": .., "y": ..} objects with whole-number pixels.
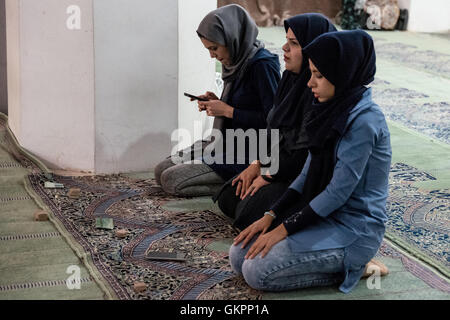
[
  {"x": 250, "y": 194},
  {"x": 331, "y": 221}
]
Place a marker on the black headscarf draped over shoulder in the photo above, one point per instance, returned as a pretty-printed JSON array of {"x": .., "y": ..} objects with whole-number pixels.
[
  {"x": 292, "y": 93},
  {"x": 347, "y": 60}
]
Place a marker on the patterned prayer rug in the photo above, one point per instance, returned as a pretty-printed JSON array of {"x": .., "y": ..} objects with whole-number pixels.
[
  {"x": 419, "y": 220},
  {"x": 412, "y": 57},
  {"x": 138, "y": 207},
  {"x": 413, "y": 109}
]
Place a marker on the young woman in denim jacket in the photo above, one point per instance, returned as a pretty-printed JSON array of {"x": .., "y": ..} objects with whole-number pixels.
[{"x": 331, "y": 221}]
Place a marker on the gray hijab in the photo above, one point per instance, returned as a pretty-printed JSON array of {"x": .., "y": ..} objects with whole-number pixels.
[{"x": 232, "y": 27}]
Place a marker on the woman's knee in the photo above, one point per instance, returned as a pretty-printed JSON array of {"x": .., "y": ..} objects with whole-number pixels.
[
  {"x": 237, "y": 256},
  {"x": 161, "y": 167},
  {"x": 189, "y": 180},
  {"x": 281, "y": 270},
  {"x": 259, "y": 272},
  {"x": 227, "y": 201},
  {"x": 254, "y": 273},
  {"x": 169, "y": 181}
]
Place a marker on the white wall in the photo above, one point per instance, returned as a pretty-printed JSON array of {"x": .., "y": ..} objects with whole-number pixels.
[
  {"x": 147, "y": 54},
  {"x": 13, "y": 65},
  {"x": 136, "y": 82},
  {"x": 3, "y": 79},
  {"x": 105, "y": 98},
  {"x": 404, "y": 4},
  {"x": 427, "y": 15},
  {"x": 196, "y": 67},
  {"x": 51, "y": 81}
]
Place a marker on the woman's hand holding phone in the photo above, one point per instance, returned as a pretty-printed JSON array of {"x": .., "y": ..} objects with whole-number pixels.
[
  {"x": 216, "y": 108},
  {"x": 209, "y": 96},
  {"x": 213, "y": 106}
]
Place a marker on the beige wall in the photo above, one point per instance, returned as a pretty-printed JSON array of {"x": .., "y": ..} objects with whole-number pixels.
[
  {"x": 147, "y": 54},
  {"x": 196, "y": 69},
  {"x": 105, "y": 98},
  {"x": 429, "y": 16},
  {"x": 51, "y": 78},
  {"x": 135, "y": 82},
  {"x": 3, "y": 78},
  {"x": 13, "y": 66}
]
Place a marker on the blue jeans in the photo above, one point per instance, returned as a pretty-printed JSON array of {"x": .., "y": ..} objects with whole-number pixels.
[{"x": 282, "y": 270}]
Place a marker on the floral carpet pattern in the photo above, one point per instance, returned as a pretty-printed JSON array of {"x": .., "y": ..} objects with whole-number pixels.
[
  {"x": 411, "y": 109},
  {"x": 419, "y": 218},
  {"x": 410, "y": 56},
  {"x": 138, "y": 207}
]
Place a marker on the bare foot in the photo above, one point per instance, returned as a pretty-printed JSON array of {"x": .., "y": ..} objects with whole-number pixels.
[{"x": 375, "y": 265}]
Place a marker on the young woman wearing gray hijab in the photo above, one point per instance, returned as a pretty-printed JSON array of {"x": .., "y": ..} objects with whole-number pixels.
[{"x": 251, "y": 75}]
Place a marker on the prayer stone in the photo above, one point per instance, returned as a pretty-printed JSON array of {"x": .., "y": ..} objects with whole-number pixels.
[
  {"x": 74, "y": 193},
  {"x": 40, "y": 215},
  {"x": 121, "y": 233},
  {"x": 139, "y": 287}
]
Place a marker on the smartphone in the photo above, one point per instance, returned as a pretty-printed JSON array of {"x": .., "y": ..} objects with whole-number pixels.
[
  {"x": 195, "y": 97},
  {"x": 158, "y": 255}
]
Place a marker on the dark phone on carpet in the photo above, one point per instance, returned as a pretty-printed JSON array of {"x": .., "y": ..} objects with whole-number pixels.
[{"x": 156, "y": 255}]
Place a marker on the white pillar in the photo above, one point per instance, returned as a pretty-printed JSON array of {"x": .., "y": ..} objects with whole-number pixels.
[
  {"x": 427, "y": 16},
  {"x": 105, "y": 97},
  {"x": 3, "y": 79},
  {"x": 193, "y": 60},
  {"x": 51, "y": 81}
]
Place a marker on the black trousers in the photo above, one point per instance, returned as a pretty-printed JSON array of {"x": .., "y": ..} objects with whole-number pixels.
[{"x": 245, "y": 212}]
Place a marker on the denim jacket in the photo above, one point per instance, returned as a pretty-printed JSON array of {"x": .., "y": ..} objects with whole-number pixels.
[{"x": 352, "y": 208}]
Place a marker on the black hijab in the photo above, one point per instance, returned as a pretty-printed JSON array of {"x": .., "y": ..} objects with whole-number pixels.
[
  {"x": 292, "y": 93},
  {"x": 347, "y": 60}
]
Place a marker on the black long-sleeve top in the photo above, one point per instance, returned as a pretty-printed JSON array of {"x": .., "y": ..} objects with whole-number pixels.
[{"x": 252, "y": 98}]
